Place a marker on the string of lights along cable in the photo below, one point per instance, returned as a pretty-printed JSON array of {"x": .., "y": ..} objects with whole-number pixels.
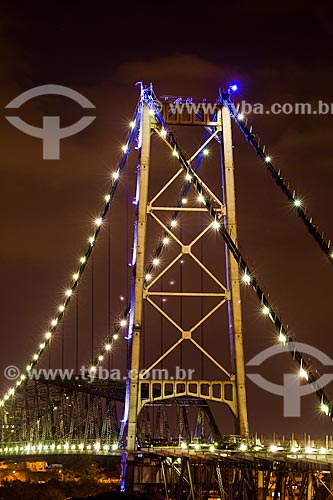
[
  {"x": 83, "y": 261},
  {"x": 267, "y": 160},
  {"x": 297, "y": 203}
]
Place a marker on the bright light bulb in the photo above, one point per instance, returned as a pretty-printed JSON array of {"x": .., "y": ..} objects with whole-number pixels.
[
  {"x": 282, "y": 338},
  {"x": 11, "y": 391},
  {"x": 297, "y": 203},
  {"x": 188, "y": 177},
  {"x": 265, "y": 310},
  {"x": 206, "y": 152},
  {"x": 273, "y": 448},
  {"x": 216, "y": 225},
  {"x": 108, "y": 347},
  {"x": 212, "y": 448},
  {"x": 165, "y": 240},
  {"x": 61, "y": 308},
  {"x": 132, "y": 124},
  {"x": 93, "y": 368},
  {"x": 240, "y": 117},
  {"x": 303, "y": 374},
  {"x": 115, "y": 175},
  {"x": 124, "y": 148},
  {"x": 173, "y": 223},
  {"x": 100, "y": 357},
  {"x": 42, "y": 345},
  {"x": 35, "y": 357},
  {"x": 184, "y": 201},
  {"x": 48, "y": 335},
  {"x": 29, "y": 367},
  {"x": 243, "y": 447},
  {"x": 123, "y": 322},
  {"x": 115, "y": 336},
  {"x": 83, "y": 259},
  {"x": 183, "y": 446},
  {"x": 148, "y": 277},
  {"x": 323, "y": 451},
  {"x": 107, "y": 198},
  {"x": 308, "y": 450},
  {"x": 91, "y": 240},
  {"x": 54, "y": 322},
  {"x": 268, "y": 159},
  {"x": 98, "y": 221},
  {"x": 163, "y": 133},
  {"x": 201, "y": 198},
  {"x": 156, "y": 261},
  {"x": 76, "y": 276},
  {"x": 246, "y": 278},
  {"x": 175, "y": 153},
  {"x": 324, "y": 408},
  {"x": 68, "y": 292}
]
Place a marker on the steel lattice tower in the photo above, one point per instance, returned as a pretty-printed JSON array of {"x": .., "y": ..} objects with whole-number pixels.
[{"x": 146, "y": 287}]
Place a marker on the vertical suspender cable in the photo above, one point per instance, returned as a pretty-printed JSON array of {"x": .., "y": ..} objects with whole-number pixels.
[
  {"x": 77, "y": 335},
  {"x": 92, "y": 309}
]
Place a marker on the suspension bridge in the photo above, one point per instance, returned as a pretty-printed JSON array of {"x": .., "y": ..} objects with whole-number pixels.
[{"x": 174, "y": 351}]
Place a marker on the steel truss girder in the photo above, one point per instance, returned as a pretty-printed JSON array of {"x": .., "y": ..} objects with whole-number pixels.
[
  {"x": 210, "y": 390},
  {"x": 159, "y": 414},
  {"x": 198, "y": 478},
  {"x": 51, "y": 415}
]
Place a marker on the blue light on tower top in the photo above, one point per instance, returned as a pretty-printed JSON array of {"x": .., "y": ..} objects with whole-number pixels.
[{"x": 233, "y": 87}]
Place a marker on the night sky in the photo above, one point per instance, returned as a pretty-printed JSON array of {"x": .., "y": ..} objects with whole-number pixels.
[{"x": 278, "y": 53}]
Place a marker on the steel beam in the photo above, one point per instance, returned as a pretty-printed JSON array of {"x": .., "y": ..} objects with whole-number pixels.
[
  {"x": 137, "y": 296},
  {"x": 235, "y": 322}
]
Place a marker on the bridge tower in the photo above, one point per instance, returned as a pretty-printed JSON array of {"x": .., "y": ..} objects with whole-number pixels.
[{"x": 195, "y": 204}]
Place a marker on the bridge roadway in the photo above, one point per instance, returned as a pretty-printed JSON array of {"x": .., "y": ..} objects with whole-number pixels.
[
  {"x": 266, "y": 460},
  {"x": 260, "y": 457}
]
